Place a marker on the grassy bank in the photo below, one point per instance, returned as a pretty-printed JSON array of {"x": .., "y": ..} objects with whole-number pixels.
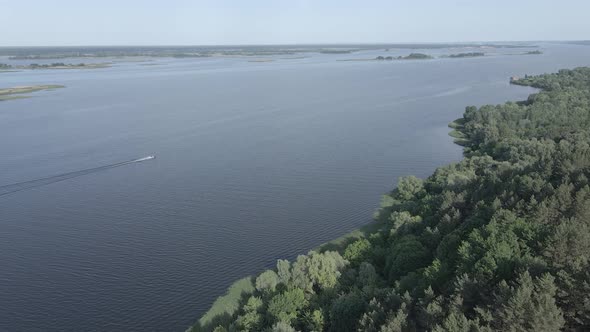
[
  {"x": 225, "y": 306},
  {"x": 457, "y": 132},
  {"x": 20, "y": 92}
]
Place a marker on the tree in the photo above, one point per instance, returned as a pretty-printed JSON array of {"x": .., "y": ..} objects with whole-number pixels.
[
  {"x": 529, "y": 305},
  {"x": 358, "y": 251},
  {"x": 324, "y": 269},
  {"x": 251, "y": 319},
  {"x": 346, "y": 312},
  {"x": 373, "y": 317},
  {"x": 407, "y": 254},
  {"x": 285, "y": 307},
  {"x": 314, "y": 321},
  {"x": 267, "y": 281},
  {"x": 396, "y": 322},
  {"x": 284, "y": 271},
  {"x": 282, "y": 327},
  {"x": 408, "y": 187}
]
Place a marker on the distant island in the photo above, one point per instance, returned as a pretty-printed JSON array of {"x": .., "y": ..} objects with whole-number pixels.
[
  {"x": 411, "y": 56},
  {"x": 4, "y": 68},
  {"x": 335, "y": 51},
  {"x": 466, "y": 55},
  {"x": 20, "y": 92},
  {"x": 535, "y": 52},
  {"x": 55, "y": 65}
]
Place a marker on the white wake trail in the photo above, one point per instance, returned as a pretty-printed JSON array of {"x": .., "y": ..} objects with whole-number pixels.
[{"x": 20, "y": 186}]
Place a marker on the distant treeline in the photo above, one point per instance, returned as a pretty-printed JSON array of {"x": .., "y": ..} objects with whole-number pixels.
[
  {"x": 32, "y": 53},
  {"x": 411, "y": 56},
  {"x": 54, "y": 65},
  {"x": 499, "y": 241}
]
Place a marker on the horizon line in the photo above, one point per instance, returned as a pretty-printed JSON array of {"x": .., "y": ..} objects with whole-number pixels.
[{"x": 302, "y": 44}]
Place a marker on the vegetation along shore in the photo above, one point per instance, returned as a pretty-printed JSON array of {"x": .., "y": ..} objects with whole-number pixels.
[{"x": 499, "y": 241}]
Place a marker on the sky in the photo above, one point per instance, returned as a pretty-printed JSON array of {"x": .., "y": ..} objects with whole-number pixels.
[{"x": 238, "y": 22}]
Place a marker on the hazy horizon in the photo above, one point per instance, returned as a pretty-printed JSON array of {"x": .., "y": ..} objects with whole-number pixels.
[
  {"x": 302, "y": 22},
  {"x": 450, "y": 42}
]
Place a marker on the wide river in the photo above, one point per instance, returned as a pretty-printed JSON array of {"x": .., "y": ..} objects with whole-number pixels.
[{"x": 255, "y": 161}]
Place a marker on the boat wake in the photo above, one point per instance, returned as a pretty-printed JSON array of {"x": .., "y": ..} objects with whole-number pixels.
[{"x": 20, "y": 186}]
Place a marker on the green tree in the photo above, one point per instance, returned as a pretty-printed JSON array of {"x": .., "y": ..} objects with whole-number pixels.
[
  {"x": 529, "y": 305},
  {"x": 286, "y": 306},
  {"x": 282, "y": 327},
  {"x": 314, "y": 320},
  {"x": 284, "y": 271},
  {"x": 267, "y": 281},
  {"x": 358, "y": 251},
  {"x": 407, "y": 254},
  {"x": 346, "y": 312},
  {"x": 251, "y": 319}
]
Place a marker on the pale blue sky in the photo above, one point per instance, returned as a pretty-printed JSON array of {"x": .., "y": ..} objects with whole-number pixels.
[{"x": 186, "y": 22}]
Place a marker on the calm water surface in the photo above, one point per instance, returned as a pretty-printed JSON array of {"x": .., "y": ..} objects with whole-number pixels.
[{"x": 255, "y": 161}]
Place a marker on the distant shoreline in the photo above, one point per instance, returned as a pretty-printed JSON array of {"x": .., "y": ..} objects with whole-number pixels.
[
  {"x": 57, "y": 65},
  {"x": 48, "y": 53}
]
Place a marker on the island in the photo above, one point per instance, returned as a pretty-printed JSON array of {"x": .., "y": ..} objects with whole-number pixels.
[
  {"x": 20, "y": 92},
  {"x": 4, "y": 68},
  {"x": 499, "y": 241},
  {"x": 535, "y": 52},
  {"x": 411, "y": 56},
  {"x": 466, "y": 55},
  {"x": 334, "y": 51},
  {"x": 416, "y": 56}
]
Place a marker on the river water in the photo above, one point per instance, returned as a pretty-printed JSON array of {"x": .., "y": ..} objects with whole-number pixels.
[{"x": 255, "y": 161}]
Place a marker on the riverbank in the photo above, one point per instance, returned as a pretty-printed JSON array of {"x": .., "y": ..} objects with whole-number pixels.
[
  {"x": 447, "y": 228},
  {"x": 228, "y": 304}
]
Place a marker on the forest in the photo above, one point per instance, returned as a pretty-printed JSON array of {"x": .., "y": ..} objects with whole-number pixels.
[{"x": 499, "y": 241}]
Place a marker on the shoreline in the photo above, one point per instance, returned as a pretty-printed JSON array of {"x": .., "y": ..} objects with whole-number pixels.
[
  {"x": 227, "y": 305},
  {"x": 21, "y": 92}
]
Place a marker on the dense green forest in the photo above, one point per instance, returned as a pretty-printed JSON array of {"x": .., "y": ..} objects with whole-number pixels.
[{"x": 497, "y": 242}]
